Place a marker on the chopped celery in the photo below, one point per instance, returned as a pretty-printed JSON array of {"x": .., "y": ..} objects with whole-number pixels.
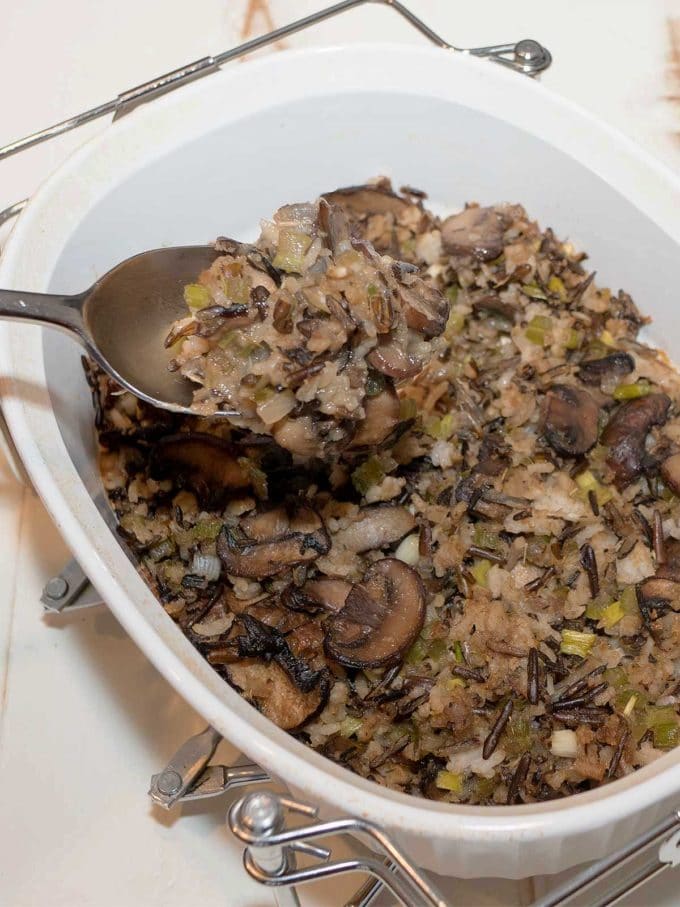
[
  {"x": 666, "y": 735},
  {"x": 161, "y": 550},
  {"x": 607, "y": 338},
  {"x": 458, "y": 652},
  {"x": 617, "y": 678},
  {"x": 485, "y": 787},
  {"x": 486, "y": 539},
  {"x": 533, "y": 291},
  {"x": 371, "y": 290},
  {"x": 451, "y": 781},
  {"x": 350, "y": 726},
  {"x": 556, "y": 286},
  {"x": 480, "y": 570},
  {"x": 629, "y": 601},
  {"x": 632, "y": 391},
  {"x": 257, "y": 477},
  {"x": 596, "y": 607},
  {"x": 661, "y": 714},
  {"x": 537, "y": 328},
  {"x": 440, "y": 429},
  {"x": 291, "y": 250},
  {"x": 574, "y": 340},
  {"x": 452, "y": 293},
  {"x": 408, "y": 408},
  {"x": 576, "y": 643},
  {"x": 264, "y": 393},
  {"x": 611, "y": 615},
  {"x": 196, "y": 296},
  {"x": 367, "y": 475}
]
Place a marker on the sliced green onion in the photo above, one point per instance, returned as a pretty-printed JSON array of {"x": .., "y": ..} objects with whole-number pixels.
[
  {"x": 666, "y": 735},
  {"x": 236, "y": 289},
  {"x": 440, "y": 429},
  {"x": 455, "y": 323},
  {"x": 486, "y": 539},
  {"x": 367, "y": 475},
  {"x": 576, "y": 643},
  {"x": 350, "y": 726},
  {"x": 607, "y": 338},
  {"x": 452, "y": 293},
  {"x": 418, "y": 651},
  {"x": 161, "y": 550},
  {"x": 291, "y": 250},
  {"x": 574, "y": 340},
  {"x": 196, "y": 296},
  {"x": 371, "y": 290},
  {"x": 458, "y": 652},
  {"x": 537, "y": 328},
  {"x": 437, "y": 649},
  {"x": 207, "y": 530},
  {"x": 454, "y": 682},
  {"x": 586, "y": 481},
  {"x": 632, "y": 391},
  {"x": 611, "y": 615},
  {"x": 480, "y": 570},
  {"x": 533, "y": 291},
  {"x": 556, "y": 286},
  {"x": 408, "y": 408},
  {"x": 451, "y": 781}
]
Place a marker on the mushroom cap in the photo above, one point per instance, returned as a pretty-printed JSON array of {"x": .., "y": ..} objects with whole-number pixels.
[
  {"x": 570, "y": 420},
  {"x": 381, "y": 618},
  {"x": 626, "y": 432}
]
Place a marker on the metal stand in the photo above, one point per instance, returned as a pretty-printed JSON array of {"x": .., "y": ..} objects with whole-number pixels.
[
  {"x": 263, "y": 822},
  {"x": 526, "y": 56}
]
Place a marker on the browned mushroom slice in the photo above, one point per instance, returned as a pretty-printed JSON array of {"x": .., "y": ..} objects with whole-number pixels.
[
  {"x": 570, "y": 420},
  {"x": 382, "y": 617},
  {"x": 363, "y": 201},
  {"x": 334, "y": 223},
  {"x": 670, "y": 472},
  {"x": 208, "y": 465},
  {"x": 616, "y": 365},
  {"x": 382, "y": 416},
  {"x": 392, "y": 360},
  {"x": 627, "y": 431},
  {"x": 295, "y": 540},
  {"x": 268, "y": 686},
  {"x": 376, "y": 527},
  {"x": 475, "y": 231},
  {"x": 317, "y": 595},
  {"x": 425, "y": 309},
  {"x": 254, "y": 256}
]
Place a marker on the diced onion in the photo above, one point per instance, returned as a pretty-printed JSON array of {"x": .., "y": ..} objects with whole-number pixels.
[
  {"x": 206, "y": 565},
  {"x": 564, "y": 744},
  {"x": 276, "y": 407}
]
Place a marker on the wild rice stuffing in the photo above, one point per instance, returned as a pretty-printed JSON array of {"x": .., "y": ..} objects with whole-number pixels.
[{"x": 475, "y": 595}]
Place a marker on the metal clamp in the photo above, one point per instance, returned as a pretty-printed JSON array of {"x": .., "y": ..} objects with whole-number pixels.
[
  {"x": 69, "y": 589},
  {"x": 188, "y": 776},
  {"x": 526, "y": 56}
]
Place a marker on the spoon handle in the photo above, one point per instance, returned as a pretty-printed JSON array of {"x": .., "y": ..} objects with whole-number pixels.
[{"x": 44, "y": 308}]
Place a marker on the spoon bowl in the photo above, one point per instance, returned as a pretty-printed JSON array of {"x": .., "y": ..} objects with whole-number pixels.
[{"x": 124, "y": 318}]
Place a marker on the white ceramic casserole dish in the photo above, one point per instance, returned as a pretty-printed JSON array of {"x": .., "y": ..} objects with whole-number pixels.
[{"x": 212, "y": 159}]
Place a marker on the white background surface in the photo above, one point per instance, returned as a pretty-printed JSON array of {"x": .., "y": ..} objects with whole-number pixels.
[{"x": 84, "y": 719}]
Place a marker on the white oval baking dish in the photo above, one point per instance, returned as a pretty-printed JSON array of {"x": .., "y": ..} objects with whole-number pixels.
[{"x": 215, "y": 157}]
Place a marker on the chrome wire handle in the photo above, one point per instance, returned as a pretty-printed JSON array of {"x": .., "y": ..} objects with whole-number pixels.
[{"x": 526, "y": 56}]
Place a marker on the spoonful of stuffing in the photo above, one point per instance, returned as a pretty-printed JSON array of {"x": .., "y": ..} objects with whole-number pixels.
[{"x": 304, "y": 335}]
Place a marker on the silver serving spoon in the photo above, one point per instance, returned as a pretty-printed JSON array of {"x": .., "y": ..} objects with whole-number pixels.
[{"x": 124, "y": 318}]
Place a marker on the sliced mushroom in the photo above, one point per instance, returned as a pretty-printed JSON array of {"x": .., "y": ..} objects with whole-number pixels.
[
  {"x": 392, "y": 360},
  {"x": 363, "y": 201},
  {"x": 570, "y": 420},
  {"x": 256, "y": 258},
  {"x": 475, "y": 231},
  {"x": 296, "y": 539},
  {"x": 207, "y": 464},
  {"x": 333, "y": 221},
  {"x": 381, "y": 418},
  {"x": 268, "y": 686},
  {"x": 670, "y": 472},
  {"x": 381, "y": 618},
  {"x": 426, "y": 310},
  {"x": 627, "y": 431},
  {"x": 317, "y": 595},
  {"x": 376, "y": 527},
  {"x": 616, "y": 365}
]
